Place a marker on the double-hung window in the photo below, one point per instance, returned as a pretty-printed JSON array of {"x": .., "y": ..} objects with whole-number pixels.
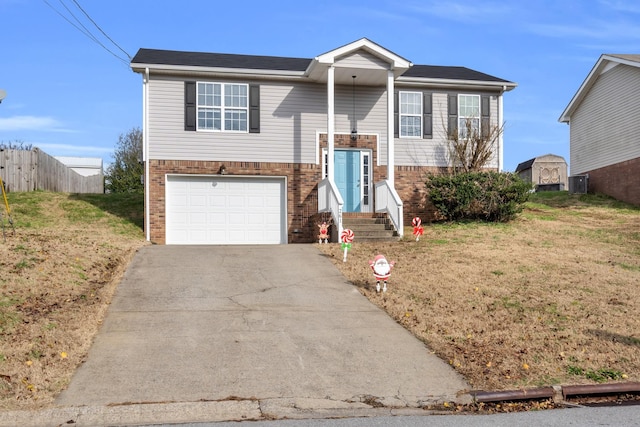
[
  {"x": 468, "y": 115},
  {"x": 410, "y": 114},
  {"x": 223, "y": 107}
]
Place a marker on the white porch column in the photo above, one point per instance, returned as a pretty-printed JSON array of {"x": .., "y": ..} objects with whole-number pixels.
[
  {"x": 390, "y": 130},
  {"x": 500, "y": 140},
  {"x": 330, "y": 121}
]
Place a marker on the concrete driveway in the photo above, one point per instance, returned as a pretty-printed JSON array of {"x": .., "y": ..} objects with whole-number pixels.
[{"x": 254, "y": 323}]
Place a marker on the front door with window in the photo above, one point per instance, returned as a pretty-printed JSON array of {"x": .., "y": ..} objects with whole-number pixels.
[
  {"x": 347, "y": 178},
  {"x": 352, "y": 176}
]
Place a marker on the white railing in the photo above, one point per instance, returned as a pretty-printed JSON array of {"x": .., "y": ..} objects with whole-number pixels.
[
  {"x": 388, "y": 201},
  {"x": 330, "y": 200}
]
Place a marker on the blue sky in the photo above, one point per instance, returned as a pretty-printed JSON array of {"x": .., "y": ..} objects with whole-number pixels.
[{"x": 69, "y": 96}]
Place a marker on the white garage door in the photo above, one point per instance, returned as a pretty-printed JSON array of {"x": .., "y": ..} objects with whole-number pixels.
[{"x": 223, "y": 210}]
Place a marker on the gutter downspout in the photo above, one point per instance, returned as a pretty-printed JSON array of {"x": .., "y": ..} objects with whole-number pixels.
[
  {"x": 145, "y": 150},
  {"x": 501, "y": 123}
]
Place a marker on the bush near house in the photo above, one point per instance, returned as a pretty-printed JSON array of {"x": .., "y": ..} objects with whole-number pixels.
[{"x": 487, "y": 196}]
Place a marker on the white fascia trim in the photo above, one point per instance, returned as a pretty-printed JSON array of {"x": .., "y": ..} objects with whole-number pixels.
[
  {"x": 582, "y": 90},
  {"x": 603, "y": 62},
  {"x": 397, "y": 62},
  {"x": 447, "y": 83},
  {"x": 172, "y": 69}
]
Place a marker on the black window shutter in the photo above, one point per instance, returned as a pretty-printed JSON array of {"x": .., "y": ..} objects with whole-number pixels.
[
  {"x": 396, "y": 116},
  {"x": 485, "y": 115},
  {"x": 427, "y": 116},
  {"x": 190, "y": 106},
  {"x": 453, "y": 114},
  {"x": 254, "y": 108}
]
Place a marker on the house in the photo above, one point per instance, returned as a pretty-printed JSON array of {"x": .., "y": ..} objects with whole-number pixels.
[
  {"x": 604, "y": 128},
  {"x": 546, "y": 173},
  {"x": 247, "y": 149}
]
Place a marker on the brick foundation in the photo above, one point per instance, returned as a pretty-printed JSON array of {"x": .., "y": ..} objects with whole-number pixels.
[
  {"x": 302, "y": 187},
  {"x": 620, "y": 181}
]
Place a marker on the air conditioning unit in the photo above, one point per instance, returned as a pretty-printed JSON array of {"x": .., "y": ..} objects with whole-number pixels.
[{"x": 578, "y": 184}]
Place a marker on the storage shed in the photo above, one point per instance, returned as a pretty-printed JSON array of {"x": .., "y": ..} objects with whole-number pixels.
[
  {"x": 85, "y": 166},
  {"x": 547, "y": 173}
]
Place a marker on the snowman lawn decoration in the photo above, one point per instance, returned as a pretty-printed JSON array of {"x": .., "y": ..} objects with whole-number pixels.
[{"x": 381, "y": 271}]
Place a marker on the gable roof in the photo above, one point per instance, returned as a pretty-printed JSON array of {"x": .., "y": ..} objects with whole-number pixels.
[
  {"x": 171, "y": 60},
  {"x": 604, "y": 63}
]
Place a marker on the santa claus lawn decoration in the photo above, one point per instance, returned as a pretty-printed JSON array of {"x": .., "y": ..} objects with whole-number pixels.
[{"x": 381, "y": 271}]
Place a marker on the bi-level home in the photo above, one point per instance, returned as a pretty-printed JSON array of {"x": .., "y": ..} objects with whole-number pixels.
[{"x": 247, "y": 149}]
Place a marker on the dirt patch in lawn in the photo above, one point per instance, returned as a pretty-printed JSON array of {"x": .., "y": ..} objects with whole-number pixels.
[
  {"x": 551, "y": 298},
  {"x": 58, "y": 272}
]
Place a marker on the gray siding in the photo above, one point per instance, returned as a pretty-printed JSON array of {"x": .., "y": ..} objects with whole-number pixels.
[
  {"x": 291, "y": 116},
  {"x": 435, "y": 152},
  {"x": 605, "y": 129},
  {"x": 363, "y": 60}
]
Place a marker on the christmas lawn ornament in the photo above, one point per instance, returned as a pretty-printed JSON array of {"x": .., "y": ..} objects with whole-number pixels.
[
  {"x": 324, "y": 232},
  {"x": 347, "y": 238},
  {"x": 417, "y": 228},
  {"x": 381, "y": 271}
]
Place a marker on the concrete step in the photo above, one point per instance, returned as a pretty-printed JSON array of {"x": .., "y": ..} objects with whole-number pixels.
[{"x": 369, "y": 227}]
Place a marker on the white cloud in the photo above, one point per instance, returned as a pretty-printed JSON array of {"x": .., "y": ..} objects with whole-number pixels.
[
  {"x": 71, "y": 150},
  {"x": 31, "y": 123},
  {"x": 621, "y": 6},
  {"x": 464, "y": 12},
  {"x": 594, "y": 30}
]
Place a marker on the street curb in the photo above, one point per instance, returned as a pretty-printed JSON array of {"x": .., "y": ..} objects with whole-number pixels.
[
  {"x": 198, "y": 412},
  {"x": 558, "y": 393}
]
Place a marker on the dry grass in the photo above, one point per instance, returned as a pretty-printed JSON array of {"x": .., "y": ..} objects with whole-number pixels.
[
  {"x": 58, "y": 273},
  {"x": 551, "y": 298}
]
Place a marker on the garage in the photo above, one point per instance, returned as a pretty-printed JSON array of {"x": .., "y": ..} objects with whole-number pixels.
[{"x": 225, "y": 210}]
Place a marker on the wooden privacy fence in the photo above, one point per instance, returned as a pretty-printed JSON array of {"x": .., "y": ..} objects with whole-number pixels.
[{"x": 31, "y": 170}]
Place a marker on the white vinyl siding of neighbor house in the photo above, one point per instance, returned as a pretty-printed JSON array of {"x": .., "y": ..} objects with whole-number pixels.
[
  {"x": 604, "y": 128},
  {"x": 435, "y": 151}
]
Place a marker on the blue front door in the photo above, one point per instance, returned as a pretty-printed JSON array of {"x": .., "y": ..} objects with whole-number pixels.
[{"x": 347, "y": 178}]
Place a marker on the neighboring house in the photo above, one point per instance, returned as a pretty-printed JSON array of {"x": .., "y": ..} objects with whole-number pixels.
[
  {"x": 604, "y": 128},
  {"x": 244, "y": 149},
  {"x": 85, "y": 166},
  {"x": 548, "y": 172}
]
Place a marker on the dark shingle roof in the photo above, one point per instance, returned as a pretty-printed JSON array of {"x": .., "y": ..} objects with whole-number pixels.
[
  {"x": 278, "y": 63},
  {"x": 449, "y": 73},
  {"x": 525, "y": 165},
  {"x": 219, "y": 60}
]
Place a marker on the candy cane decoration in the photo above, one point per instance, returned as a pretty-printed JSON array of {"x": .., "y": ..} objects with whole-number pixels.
[
  {"x": 417, "y": 228},
  {"x": 347, "y": 237}
]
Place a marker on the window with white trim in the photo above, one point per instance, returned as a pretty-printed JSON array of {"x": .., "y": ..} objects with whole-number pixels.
[
  {"x": 410, "y": 114},
  {"x": 223, "y": 106},
  {"x": 468, "y": 115}
]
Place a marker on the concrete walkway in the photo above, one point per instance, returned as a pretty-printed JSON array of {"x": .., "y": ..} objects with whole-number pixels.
[{"x": 264, "y": 331}]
